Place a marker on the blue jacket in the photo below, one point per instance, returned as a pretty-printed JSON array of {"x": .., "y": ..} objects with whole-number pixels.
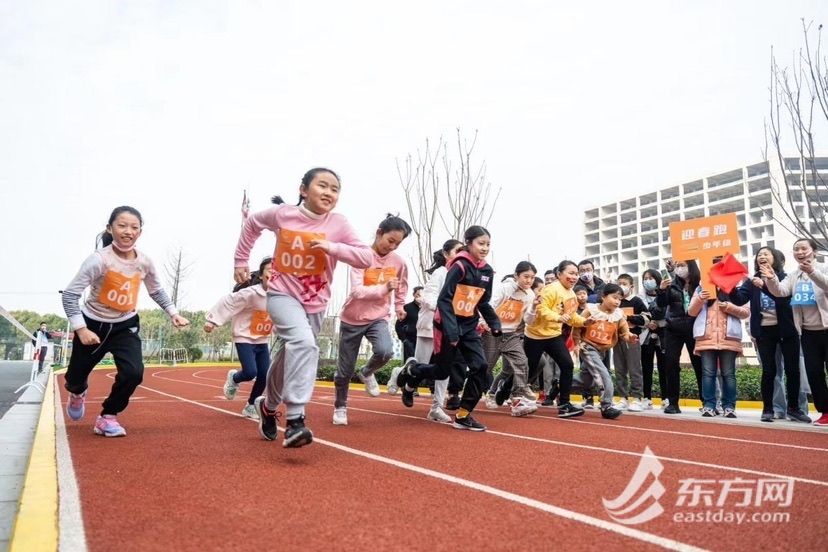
[{"x": 747, "y": 292}]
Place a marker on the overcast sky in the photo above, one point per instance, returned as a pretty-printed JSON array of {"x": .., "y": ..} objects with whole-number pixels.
[{"x": 176, "y": 107}]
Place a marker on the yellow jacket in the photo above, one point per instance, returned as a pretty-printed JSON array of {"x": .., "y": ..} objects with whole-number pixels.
[{"x": 556, "y": 300}]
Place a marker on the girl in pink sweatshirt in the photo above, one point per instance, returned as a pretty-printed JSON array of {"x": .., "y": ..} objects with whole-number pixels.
[
  {"x": 247, "y": 307},
  {"x": 310, "y": 240},
  {"x": 367, "y": 311}
]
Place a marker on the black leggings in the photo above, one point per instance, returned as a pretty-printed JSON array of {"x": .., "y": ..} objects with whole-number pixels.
[{"x": 555, "y": 347}]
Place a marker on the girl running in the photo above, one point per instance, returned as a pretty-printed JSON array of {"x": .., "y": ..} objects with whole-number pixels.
[
  {"x": 466, "y": 292},
  {"x": 108, "y": 322},
  {"x": 366, "y": 313},
  {"x": 247, "y": 307},
  {"x": 310, "y": 240}
]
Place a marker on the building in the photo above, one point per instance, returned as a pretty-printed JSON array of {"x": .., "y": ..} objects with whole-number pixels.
[{"x": 632, "y": 235}]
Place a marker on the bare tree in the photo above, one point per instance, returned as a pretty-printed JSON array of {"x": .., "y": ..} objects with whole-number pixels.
[
  {"x": 176, "y": 271},
  {"x": 444, "y": 195},
  {"x": 799, "y": 106}
]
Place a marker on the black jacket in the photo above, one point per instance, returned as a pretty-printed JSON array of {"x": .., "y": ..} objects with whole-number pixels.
[
  {"x": 672, "y": 299},
  {"x": 47, "y": 336},
  {"x": 406, "y": 328},
  {"x": 593, "y": 288},
  {"x": 747, "y": 292},
  {"x": 637, "y": 321},
  {"x": 464, "y": 270}
]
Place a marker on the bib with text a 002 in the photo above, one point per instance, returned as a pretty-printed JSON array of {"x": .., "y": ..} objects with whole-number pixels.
[
  {"x": 509, "y": 311},
  {"x": 465, "y": 299},
  {"x": 119, "y": 292},
  {"x": 294, "y": 255},
  {"x": 260, "y": 324},
  {"x": 602, "y": 333},
  {"x": 804, "y": 294},
  {"x": 378, "y": 276}
]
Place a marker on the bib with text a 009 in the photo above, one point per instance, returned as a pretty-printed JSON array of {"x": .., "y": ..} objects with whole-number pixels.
[
  {"x": 602, "y": 333},
  {"x": 378, "y": 276},
  {"x": 119, "y": 292},
  {"x": 465, "y": 299},
  {"x": 260, "y": 324},
  {"x": 294, "y": 255},
  {"x": 804, "y": 294},
  {"x": 509, "y": 311}
]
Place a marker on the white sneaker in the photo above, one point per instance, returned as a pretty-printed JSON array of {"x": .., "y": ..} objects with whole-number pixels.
[
  {"x": 249, "y": 411},
  {"x": 490, "y": 401},
  {"x": 635, "y": 406},
  {"x": 621, "y": 405},
  {"x": 340, "y": 416},
  {"x": 230, "y": 386},
  {"x": 519, "y": 407},
  {"x": 665, "y": 403},
  {"x": 529, "y": 395},
  {"x": 371, "y": 385},
  {"x": 647, "y": 404},
  {"x": 436, "y": 414},
  {"x": 392, "y": 386}
]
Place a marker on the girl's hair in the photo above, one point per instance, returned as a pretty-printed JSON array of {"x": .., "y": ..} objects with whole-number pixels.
[
  {"x": 105, "y": 238},
  {"x": 474, "y": 232},
  {"x": 306, "y": 180},
  {"x": 611, "y": 288},
  {"x": 439, "y": 256},
  {"x": 255, "y": 277},
  {"x": 507, "y": 277},
  {"x": 811, "y": 242},
  {"x": 778, "y": 259},
  {"x": 693, "y": 276},
  {"x": 654, "y": 274},
  {"x": 525, "y": 266},
  {"x": 537, "y": 282},
  {"x": 393, "y": 223},
  {"x": 562, "y": 266}
]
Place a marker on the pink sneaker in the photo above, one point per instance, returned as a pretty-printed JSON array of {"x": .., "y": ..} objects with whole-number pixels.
[
  {"x": 108, "y": 426},
  {"x": 75, "y": 407}
]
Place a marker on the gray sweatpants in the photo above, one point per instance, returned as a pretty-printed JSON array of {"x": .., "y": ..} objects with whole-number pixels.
[
  {"x": 292, "y": 372},
  {"x": 422, "y": 353},
  {"x": 378, "y": 335},
  {"x": 627, "y": 358},
  {"x": 594, "y": 372},
  {"x": 510, "y": 347}
]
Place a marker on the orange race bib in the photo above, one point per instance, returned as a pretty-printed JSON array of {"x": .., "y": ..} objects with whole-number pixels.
[
  {"x": 509, "y": 311},
  {"x": 465, "y": 299},
  {"x": 294, "y": 255},
  {"x": 119, "y": 292},
  {"x": 628, "y": 311},
  {"x": 378, "y": 276},
  {"x": 570, "y": 306},
  {"x": 602, "y": 333},
  {"x": 260, "y": 324}
]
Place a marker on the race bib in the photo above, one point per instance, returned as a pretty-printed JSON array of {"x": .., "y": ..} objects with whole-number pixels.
[
  {"x": 260, "y": 324},
  {"x": 294, "y": 255},
  {"x": 509, "y": 311},
  {"x": 465, "y": 299},
  {"x": 803, "y": 295},
  {"x": 628, "y": 311},
  {"x": 766, "y": 303},
  {"x": 602, "y": 333},
  {"x": 378, "y": 276},
  {"x": 119, "y": 292},
  {"x": 570, "y": 306}
]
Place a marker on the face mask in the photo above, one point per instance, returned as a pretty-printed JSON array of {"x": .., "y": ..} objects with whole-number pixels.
[
  {"x": 123, "y": 250},
  {"x": 650, "y": 285},
  {"x": 625, "y": 290},
  {"x": 586, "y": 276},
  {"x": 682, "y": 272}
]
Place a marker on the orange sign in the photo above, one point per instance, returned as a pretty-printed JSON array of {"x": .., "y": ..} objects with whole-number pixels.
[
  {"x": 465, "y": 299},
  {"x": 602, "y": 333},
  {"x": 260, "y": 324},
  {"x": 294, "y": 255},
  {"x": 377, "y": 276},
  {"x": 119, "y": 292},
  {"x": 509, "y": 311},
  {"x": 703, "y": 239}
]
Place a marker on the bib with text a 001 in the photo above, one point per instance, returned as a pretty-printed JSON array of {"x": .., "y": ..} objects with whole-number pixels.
[
  {"x": 294, "y": 255},
  {"x": 378, "y": 276},
  {"x": 804, "y": 294},
  {"x": 465, "y": 299},
  {"x": 260, "y": 324},
  {"x": 602, "y": 333},
  {"x": 509, "y": 311},
  {"x": 119, "y": 292}
]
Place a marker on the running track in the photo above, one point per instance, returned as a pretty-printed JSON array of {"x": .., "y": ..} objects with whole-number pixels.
[{"x": 192, "y": 474}]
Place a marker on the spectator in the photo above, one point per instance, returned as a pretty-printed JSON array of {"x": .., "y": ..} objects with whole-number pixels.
[
  {"x": 407, "y": 327},
  {"x": 42, "y": 338}
]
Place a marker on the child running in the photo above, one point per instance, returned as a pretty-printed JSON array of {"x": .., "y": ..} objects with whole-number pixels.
[
  {"x": 108, "y": 322},
  {"x": 467, "y": 291},
  {"x": 610, "y": 324},
  {"x": 247, "y": 307},
  {"x": 366, "y": 313},
  {"x": 310, "y": 240}
]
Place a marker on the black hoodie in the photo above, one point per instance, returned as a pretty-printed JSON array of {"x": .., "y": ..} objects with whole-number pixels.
[{"x": 464, "y": 270}]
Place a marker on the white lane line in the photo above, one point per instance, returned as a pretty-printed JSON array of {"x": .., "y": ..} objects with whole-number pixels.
[
  {"x": 71, "y": 534},
  {"x": 617, "y": 528}
]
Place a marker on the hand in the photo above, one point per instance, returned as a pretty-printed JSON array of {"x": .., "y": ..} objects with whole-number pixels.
[
  {"x": 757, "y": 282},
  {"x": 565, "y": 318},
  {"x": 704, "y": 295},
  {"x": 179, "y": 321},
  {"x": 652, "y": 325},
  {"x": 484, "y": 327},
  {"x": 208, "y": 327},
  {"x": 670, "y": 265},
  {"x": 806, "y": 265},
  {"x": 632, "y": 339},
  {"x": 241, "y": 274},
  {"x": 589, "y": 321},
  {"x": 392, "y": 284},
  {"x": 723, "y": 305},
  {"x": 665, "y": 283},
  {"x": 767, "y": 272},
  {"x": 87, "y": 336},
  {"x": 537, "y": 301},
  {"x": 324, "y": 245},
  {"x": 401, "y": 314}
]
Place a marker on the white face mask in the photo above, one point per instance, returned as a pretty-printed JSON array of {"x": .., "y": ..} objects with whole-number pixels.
[
  {"x": 586, "y": 276},
  {"x": 650, "y": 285},
  {"x": 625, "y": 290},
  {"x": 682, "y": 272}
]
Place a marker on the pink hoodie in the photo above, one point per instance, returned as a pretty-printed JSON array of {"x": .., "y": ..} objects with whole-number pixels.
[
  {"x": 300, "y": 272},
  {"x": 370, "y": 299},
  {"x": 248, "y": 309}
]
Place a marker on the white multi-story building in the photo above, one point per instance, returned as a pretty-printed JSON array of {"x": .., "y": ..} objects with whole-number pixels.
[{"x": 633, "y": 234}]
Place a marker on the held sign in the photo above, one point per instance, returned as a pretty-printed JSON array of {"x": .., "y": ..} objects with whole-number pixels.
[{"x": 703, "y": 239}]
